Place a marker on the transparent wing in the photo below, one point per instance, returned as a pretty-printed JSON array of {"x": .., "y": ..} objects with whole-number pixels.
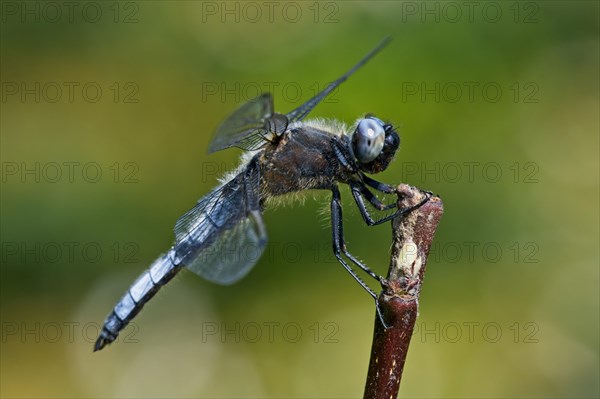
[
  {"x": 213, "y": 212},
  {"x": 247, "y": 127},
  {"x": 300, "y": 113},
  {"x": 233, "y": 254},
  {"x": 223, "y": 236}
]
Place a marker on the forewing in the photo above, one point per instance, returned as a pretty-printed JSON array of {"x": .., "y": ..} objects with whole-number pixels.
[
  {"x": 300, "y": 113},
  {"x": 246, "y": 127}
]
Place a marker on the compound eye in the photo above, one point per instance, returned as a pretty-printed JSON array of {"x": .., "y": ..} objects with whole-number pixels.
[{"x": 368, "y": 140}]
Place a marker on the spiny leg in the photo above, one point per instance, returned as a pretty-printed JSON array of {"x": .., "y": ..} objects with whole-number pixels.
[
  {"x": 377, "y": 185},
  {"x": 383, "y": 187},
  {"x": 339, "y": 247},
  {"x": 358, "y": 191},
  {"x": 339, "y": 244}
]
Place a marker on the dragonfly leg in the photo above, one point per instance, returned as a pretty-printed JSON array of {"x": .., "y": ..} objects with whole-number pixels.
[
  {"x": 377, "y": 185},
  {"x": 359, "y": 192},
  {"x": 339, "y": 245},
  {"x": 339, "y": 248}
]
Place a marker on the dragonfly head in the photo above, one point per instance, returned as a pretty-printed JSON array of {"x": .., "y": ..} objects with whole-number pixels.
[{"x": 374, "y": 144}]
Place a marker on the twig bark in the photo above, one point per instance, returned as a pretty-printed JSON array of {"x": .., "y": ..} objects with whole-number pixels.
[{"x": 399, "y": 301}]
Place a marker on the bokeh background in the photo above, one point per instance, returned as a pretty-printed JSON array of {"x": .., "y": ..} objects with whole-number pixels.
[{"x": 107, "y": 111}]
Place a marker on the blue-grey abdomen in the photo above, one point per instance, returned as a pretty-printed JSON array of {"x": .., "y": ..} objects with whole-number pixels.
[{"x": 141, "y": 291}]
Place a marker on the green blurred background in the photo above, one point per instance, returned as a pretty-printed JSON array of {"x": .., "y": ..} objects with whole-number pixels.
[{"x": 510, "y": 306}]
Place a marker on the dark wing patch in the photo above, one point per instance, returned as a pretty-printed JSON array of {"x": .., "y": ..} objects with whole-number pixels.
[
  {"x": 247, "y": 127},
  {"x": 223, "y": 236}
]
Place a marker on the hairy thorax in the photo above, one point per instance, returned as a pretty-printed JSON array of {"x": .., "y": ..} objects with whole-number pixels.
[{"x": 302, "y": 159}]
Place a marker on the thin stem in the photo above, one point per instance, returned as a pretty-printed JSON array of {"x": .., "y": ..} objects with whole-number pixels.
[{"x": 412, "y": 236}]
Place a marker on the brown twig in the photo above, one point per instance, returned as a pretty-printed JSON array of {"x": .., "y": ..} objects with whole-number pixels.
[{"x": 412, "y": 236}]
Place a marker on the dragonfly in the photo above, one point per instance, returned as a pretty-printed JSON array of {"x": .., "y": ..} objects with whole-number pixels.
[{"x": 283, "y": 154}]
